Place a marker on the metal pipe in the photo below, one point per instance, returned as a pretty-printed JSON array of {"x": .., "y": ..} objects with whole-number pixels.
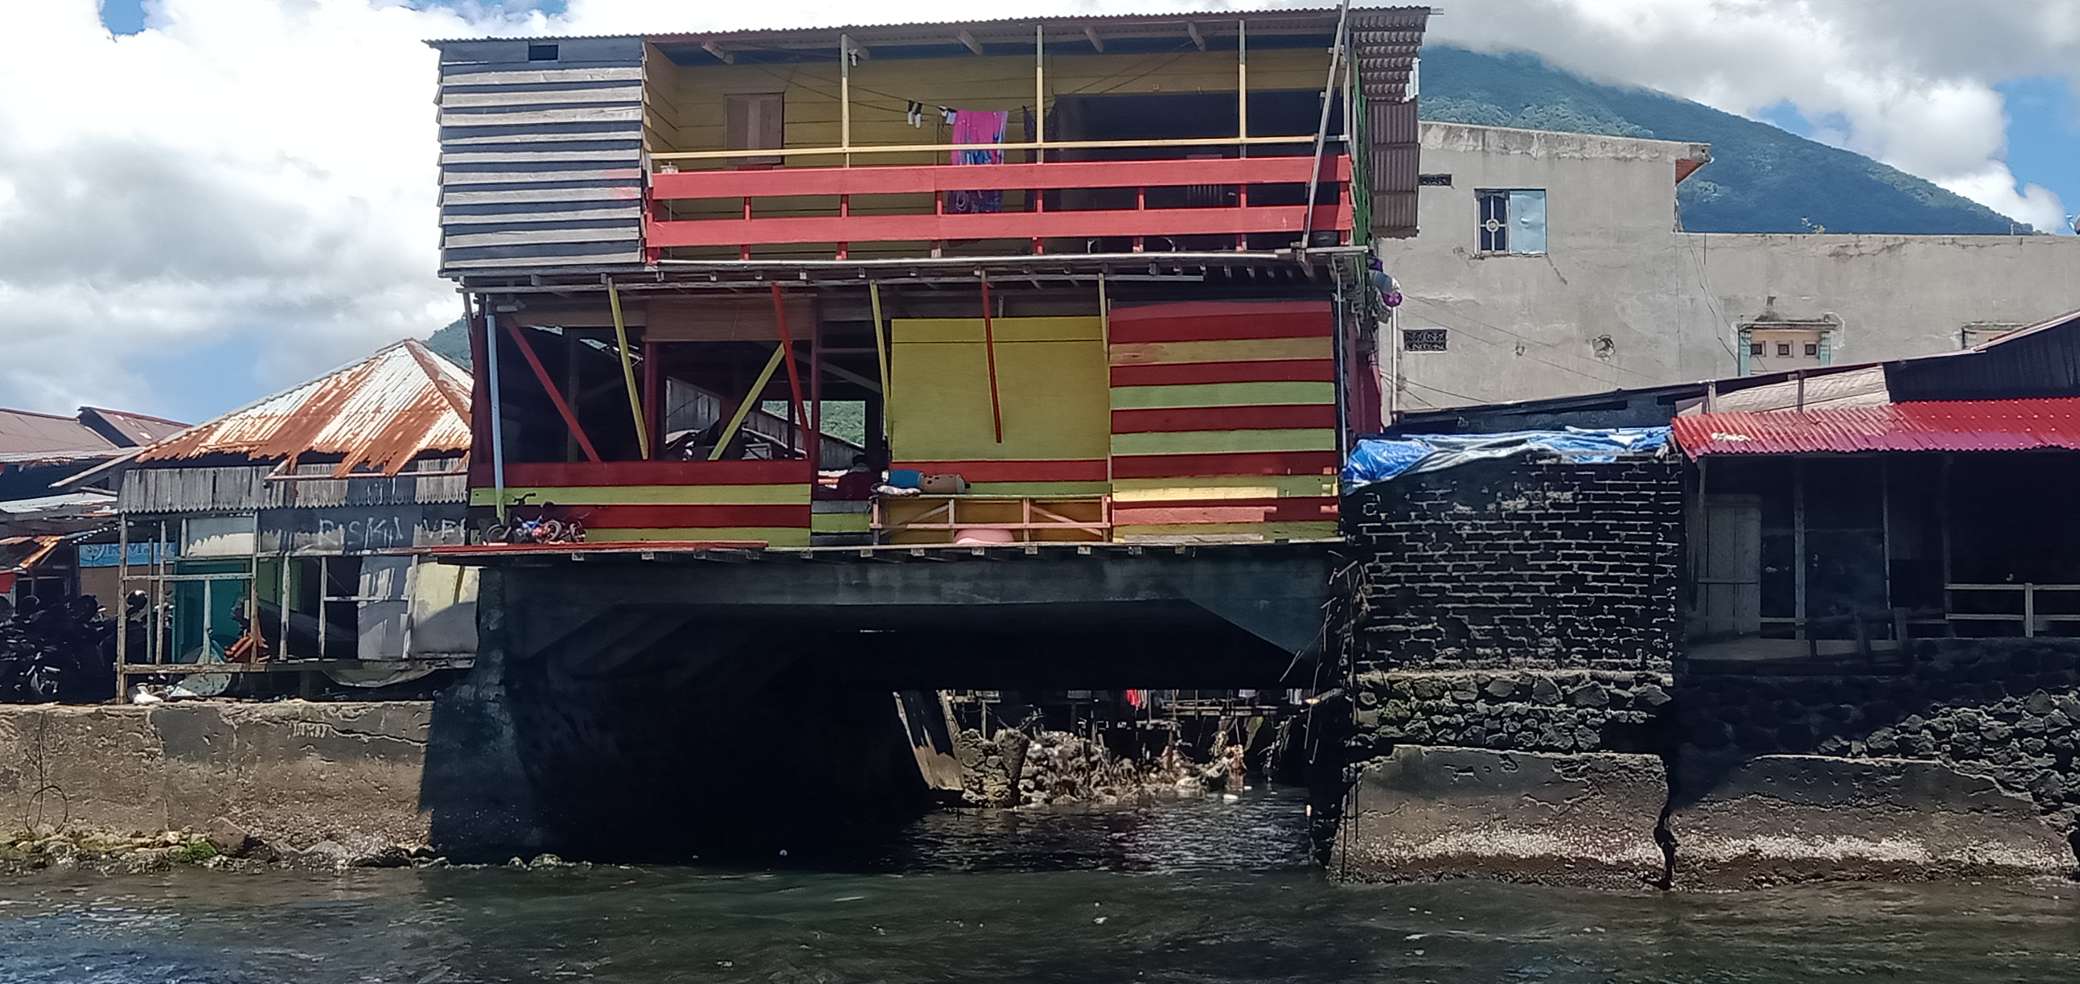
[
  {"x": 498, "y": 443},
  {"x": 1321, "y": 132}
]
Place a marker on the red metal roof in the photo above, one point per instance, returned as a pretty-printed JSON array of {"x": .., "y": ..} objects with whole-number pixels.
[{"x": 1949, "y": 425}]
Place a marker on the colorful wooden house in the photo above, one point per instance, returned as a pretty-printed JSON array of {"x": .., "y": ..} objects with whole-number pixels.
[{"x": 1078, "y": 280}]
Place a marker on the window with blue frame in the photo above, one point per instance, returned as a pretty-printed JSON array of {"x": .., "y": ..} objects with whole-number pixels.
[{"x": 1512, "y": 220}]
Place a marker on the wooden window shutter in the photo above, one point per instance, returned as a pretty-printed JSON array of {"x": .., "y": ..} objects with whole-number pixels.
[{"x": 754, "y": 121}]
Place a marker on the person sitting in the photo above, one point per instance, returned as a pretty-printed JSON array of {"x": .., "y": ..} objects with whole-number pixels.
[{"x": 857, "y": 484}]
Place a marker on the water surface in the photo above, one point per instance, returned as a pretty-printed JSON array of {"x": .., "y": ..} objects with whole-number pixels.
[{"x": 1189, "y": 892}]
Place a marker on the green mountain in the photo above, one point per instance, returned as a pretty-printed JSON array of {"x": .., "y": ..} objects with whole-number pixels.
[
  {"x": 451, "y": 343},
  {"x": 1761, "y": 179}
]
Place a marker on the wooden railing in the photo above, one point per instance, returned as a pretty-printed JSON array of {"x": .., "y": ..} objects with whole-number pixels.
[
  {"x": 842, "y": 227},
  {"x": 2029, "y": 616}
]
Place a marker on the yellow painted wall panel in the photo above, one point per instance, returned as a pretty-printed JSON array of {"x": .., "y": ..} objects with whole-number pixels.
[
  {"x": 1218, "y": 442},
  {"x": 1222, "y": 395},
  {"x": 1052, "y": 393},
  {"x": 1223, "y": 487}
]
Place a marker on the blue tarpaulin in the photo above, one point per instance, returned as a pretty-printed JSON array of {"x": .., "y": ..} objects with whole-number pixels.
[{"x": 1378, "y": 459}]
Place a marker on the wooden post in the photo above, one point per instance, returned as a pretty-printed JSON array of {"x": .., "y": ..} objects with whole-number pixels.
[
  {"x": 653, "y": 398},
  {"x": 813, "y": 444},
  {"x": 1105, "y": 342},
  {"x": 159, "y": 619},
  {"x": 989, "y": 348},
  {"x": 1321, "y": 133},
  {"x": 1039, "y": 94},
  {"x": 845, "y": 95},
  {"x": 122, "y": 604},
  {"x": 2029, "y": 610},
  {"x": 1242, "y": 117},
  {"x": 1943, "y": 516},
  {"x": 881, "y": 355},
  {"x": 1798, "y": 548},
  {"x": 628, "y": 372}
]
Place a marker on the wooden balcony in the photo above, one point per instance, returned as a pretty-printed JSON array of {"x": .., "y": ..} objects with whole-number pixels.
[{"x": 1219, "y": 204}]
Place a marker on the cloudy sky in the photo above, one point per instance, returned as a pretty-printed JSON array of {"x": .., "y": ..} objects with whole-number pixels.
[{"x": 205, "y": 200}]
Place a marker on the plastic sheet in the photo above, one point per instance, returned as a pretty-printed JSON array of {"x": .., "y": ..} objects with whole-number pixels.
[{"x": 1382, "y": 458}]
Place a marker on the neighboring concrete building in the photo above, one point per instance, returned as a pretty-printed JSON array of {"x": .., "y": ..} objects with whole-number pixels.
[{"x": 1551, "y": 264}]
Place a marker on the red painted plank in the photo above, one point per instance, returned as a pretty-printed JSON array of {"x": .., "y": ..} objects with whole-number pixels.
[
  {"x": 1222, "y": 419},
  {"x": 1092, "y": 470},
  {"x": 1295, "y": 510},
  {"x": 915, "y": 179},
  {"x": 1213, "y": 320},
  {"x": 626, "y": 473},
  {"x": 688, "y": 517},
  {"x": 1273, "y": 371},
  {"x": 996, "y": 225},
  {"x": 1233, "y": 463}
]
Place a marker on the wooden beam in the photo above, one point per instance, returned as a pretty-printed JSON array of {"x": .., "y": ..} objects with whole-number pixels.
[
  {"x": 563, "y": 409},
  {"x": 1197, "y": 38},
  {"x": 969, "y": 40},
  {"x": 750, "y": 400},
  {"x": 628, "y": 372},
  {"x": 989, "y": 348},
  {"x": 721, "y": 54},
  {"x": 1091, "y": 34},
  {"x": 794, "y": 374}
]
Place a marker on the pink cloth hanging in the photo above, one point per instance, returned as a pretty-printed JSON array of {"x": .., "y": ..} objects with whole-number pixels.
[{"x": 972, "y": 126}]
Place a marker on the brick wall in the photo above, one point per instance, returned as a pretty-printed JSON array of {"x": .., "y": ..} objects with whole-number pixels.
[{"x": 1518, "y": 563}]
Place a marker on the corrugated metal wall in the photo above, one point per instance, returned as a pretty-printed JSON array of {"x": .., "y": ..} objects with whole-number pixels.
[
  {"x": 1385, "y": 44},
  {"x": 541, "y": 153},
  {"x": 243, "y": 488}
]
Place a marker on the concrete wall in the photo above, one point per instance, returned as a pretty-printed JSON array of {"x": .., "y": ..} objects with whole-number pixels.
[
  {"x": 291, "y": 773},
  {"x": 1622, "y": 298}
]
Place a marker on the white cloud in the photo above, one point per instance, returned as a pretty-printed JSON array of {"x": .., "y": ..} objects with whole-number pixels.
[{"x": 258, "y": 174}]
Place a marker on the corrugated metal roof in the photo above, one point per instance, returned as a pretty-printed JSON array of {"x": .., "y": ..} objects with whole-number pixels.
[
  {"x": 140, "y": 429},
  {"x": 1951, "y": 425},
  {"x": 770, "y": 34},
  {"x": 25, "y": 433},
  {"x": 377, "y": 414}
]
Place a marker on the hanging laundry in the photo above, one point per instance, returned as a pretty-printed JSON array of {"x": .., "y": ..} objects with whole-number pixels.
[
  {"x": 977, "y": 127},
  {"x": 914, "y": 114}
]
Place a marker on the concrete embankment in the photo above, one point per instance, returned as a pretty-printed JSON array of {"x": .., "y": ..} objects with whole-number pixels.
[{"x": 342, "y": 779}]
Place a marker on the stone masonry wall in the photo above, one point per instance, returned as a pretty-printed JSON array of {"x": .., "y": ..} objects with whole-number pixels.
[
  {"x": 1519, "y": 563},
  {"x": 2008, "y": 709}
]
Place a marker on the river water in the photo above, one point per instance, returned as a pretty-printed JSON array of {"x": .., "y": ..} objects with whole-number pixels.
[{"x": 1204, "y": 891}]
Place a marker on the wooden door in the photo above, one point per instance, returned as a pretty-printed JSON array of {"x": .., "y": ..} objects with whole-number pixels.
[{"x": 1729, "y": 579}]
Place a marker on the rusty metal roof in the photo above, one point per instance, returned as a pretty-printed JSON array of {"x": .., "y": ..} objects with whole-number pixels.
[
  {"x": 136, "y": 429},
  {"x": 375, "y": 415},
  {"x": 1949, "y": 425}
]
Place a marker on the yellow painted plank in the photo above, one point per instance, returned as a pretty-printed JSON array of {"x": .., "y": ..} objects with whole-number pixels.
[
  {"x": 1226, "y": 350},
  {"x": 1228, "y": 532},
  {"x": 1223, "y": 487},
  {"x": 968, "y": 331},
  {"x": 1218, "y": 442},
  {"x": 839, "y": 523},
  {"x": 652, "y": 495},
  {"x": 774, "y": 536},
  {"x": 1038, "y": 489},
  {"x": 1222, "y": 395}
]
